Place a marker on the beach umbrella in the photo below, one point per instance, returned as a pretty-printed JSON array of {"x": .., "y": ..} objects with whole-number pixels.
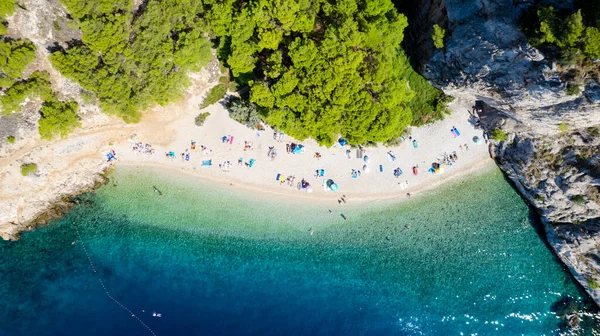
[
  {"x": 333, "y": 187},
  {"x": 477, "y": 140},
  {"x": 367, "y": 159}
]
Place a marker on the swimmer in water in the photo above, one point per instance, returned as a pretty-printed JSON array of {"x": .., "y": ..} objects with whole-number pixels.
[{"x": 344, "y": 217}]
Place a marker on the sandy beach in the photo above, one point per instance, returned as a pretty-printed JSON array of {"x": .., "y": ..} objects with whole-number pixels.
[
  {"x": 67, "y": 166},
  {"x": 435, "y": 141}
]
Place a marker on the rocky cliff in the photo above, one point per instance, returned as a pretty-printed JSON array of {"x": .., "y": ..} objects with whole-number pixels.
[{"x": 552, "y": 152}]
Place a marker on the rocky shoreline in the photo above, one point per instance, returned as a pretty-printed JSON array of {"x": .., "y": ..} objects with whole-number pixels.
[{"x": 56, "y": 209}]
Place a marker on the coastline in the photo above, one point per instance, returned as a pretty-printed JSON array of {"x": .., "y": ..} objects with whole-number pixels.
[
  {"x": 68, "y": 167},
  {"x": 478, "y": 167}
]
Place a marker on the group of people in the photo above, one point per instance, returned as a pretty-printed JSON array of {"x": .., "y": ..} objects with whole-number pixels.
[{"x": 141, "y": 148}]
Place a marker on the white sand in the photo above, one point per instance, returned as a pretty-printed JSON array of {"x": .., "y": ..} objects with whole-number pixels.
[
  {"x": 67, "y": 166},
  {"x": 434, "y": 141}
]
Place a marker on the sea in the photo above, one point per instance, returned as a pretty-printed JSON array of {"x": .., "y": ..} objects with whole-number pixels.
[{"x": 468, "y": 258}]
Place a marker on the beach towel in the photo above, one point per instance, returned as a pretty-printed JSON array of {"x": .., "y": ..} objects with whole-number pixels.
[
  {"x": 456, "y": 132},
  {"x": 391, "y": 157},
  {"x": 251, "y": 163},
  {"x": 231, "y": 140},
  {"x": 380, "y": 168},
  {"x": 321, "y": 172},
  {"x": 207, "y": 163},
  {"x": 415, "y": 144},
  {"x": 366, "y": 159},
  {"x": 278, "y": 176}
]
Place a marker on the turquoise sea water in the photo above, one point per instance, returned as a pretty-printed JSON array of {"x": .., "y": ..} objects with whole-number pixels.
[{"x": 463, "y": 259}]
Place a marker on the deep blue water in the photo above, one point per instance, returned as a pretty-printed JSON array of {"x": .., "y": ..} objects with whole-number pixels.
[{"x": 465, "y": 259}]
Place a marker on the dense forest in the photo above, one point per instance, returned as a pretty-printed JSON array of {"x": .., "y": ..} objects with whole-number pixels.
[{"x": 313, "y": 68}]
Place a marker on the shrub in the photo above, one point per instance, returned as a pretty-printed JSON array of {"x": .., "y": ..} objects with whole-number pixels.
[
  {"x": 569, "y": 56},
  {"x": 244, "y": 112},
  {"x": 592, "y": 283},
  {"x": 10, "y": 139},
  {"x": 15, "y": 55},
  {"x": 3, "y": 26},
  {"x": 594, "y": 131},
  {"x": 28, "y": 168},
  {"x": 591, "y": 42},
  {"x": 214, "y": 95},
  {"x": 563, "y": 127},
  {"x": 58, "y": 118},
  {"x": 499, "y": 135},
  {"x": 438, "y": 36},
  {"x": 573, "y": 89},
  {"x": 429, "y": 103},
  {"x": 578, "y": 199},
  {"x": 37, "y": 85},
  {"x": 201, "y": 118}
]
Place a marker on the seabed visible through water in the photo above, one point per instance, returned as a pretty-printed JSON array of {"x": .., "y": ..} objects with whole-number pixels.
[{"x": 462, "y": 259}]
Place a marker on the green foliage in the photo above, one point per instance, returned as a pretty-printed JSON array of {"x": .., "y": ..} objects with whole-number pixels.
[
  {"x": 37, "y": 85},
  {"x": 438, "y": 36},
  {"x": 594, "y": 131},
  {"x": 3, "y": 26},
  {"x": 320, "y": 69},
  {"x": 591, "y": 42},
  {"x": 28, "y": 168},
  {"x": 10, "y": 139},
  {"x": 201, "y": 118},
  {"x": 563, "y": 127},
  {"x": 555, "y": 30},
  {"x": 429, "y": 103},
  {"x": 58, "y": 118},
  {"x": 244, "y": 112},
  {"x": 569, "y": 56},
  {"x": 7, "y": 7},
  {"x": 592, "y": 283},
  {"x": 499, "y": 135},
  {"x": 214, "y": 95},
  {"x": 15, "y": 55},
  {"x": 578, "y": 199},
  {"x": 573, "y": 89},
  {"x": 132, "y": 62}
]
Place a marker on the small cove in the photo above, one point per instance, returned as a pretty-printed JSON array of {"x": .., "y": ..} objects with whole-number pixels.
[{"x": 464, "y": 258}]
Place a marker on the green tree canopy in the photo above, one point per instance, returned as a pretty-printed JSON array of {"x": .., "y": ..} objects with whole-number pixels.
[
  {"x": 36, "y": 86},
  {"x": 129, "y": 61},
  {"x": 58, "y": 118},
  {"x": 7, "y": 7},
  {"x": 591, "y": 42},
  {"x": 15, "y": 55},
  {"x": 320, "y": 69}
]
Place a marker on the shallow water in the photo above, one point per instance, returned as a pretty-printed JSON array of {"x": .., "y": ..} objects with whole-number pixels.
[{"x": 463, "y": 259}]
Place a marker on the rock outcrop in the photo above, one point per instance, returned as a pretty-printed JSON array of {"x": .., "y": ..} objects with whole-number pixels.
[{"x": 552, "y": 154}]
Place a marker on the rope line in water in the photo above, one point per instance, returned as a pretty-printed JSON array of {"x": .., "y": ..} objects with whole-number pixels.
[{"x": 104, "y": 287}]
